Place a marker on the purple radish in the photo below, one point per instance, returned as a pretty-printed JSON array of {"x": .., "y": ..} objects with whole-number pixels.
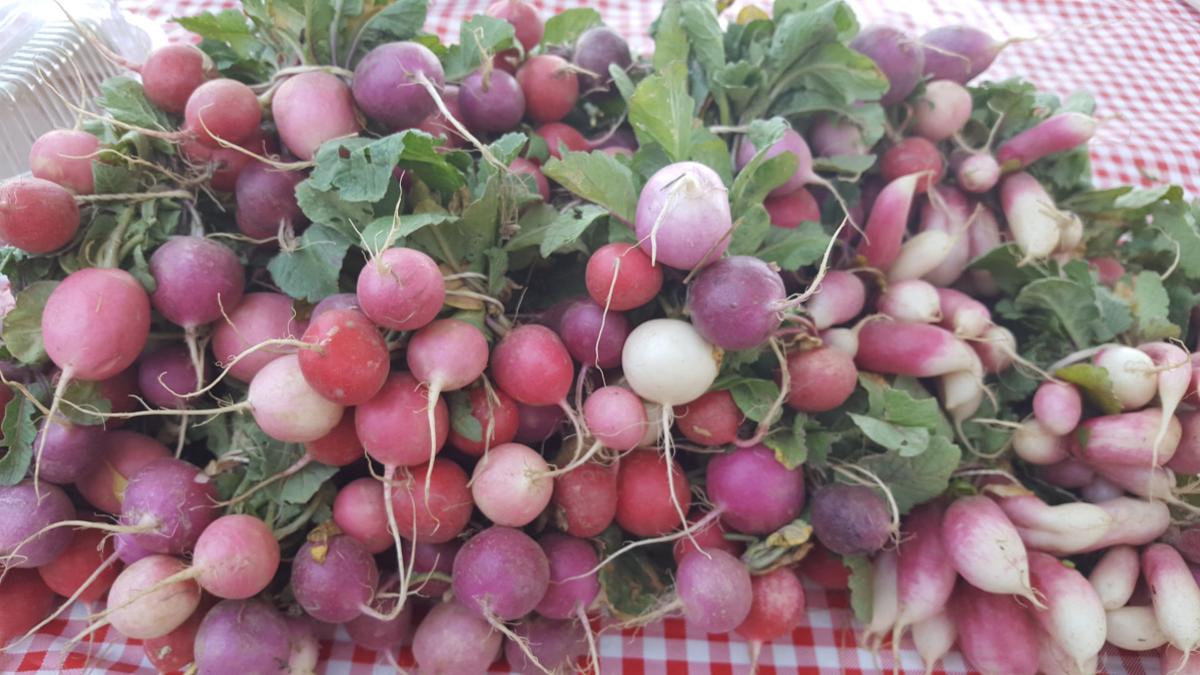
[
  {"x": 242, "y": 636},
  {"x": 1061, "y": 132},
  {"x": 737, "y": 302},
  {"x": 333, "y": 578},
  {"x": 851, "y": 519},
  {"x": 266, "y": 202},
  {"x": 1115, "y": 576},
  {"x": 387, "y": 86},
  {"x": 832, "y": 136},
  {"x": 166, "y": 372},
  {"x": 173, "y": 500},
  {"x": 1058, "y": 407},
  {"x": 1069, "y": 473},
  {"x": 501, "y": 574},
  {"x": 69, "y": 450},
  {"x": 555, "y": 644},
  {"x": 791, "y": 142},
  {"x": 453, "y": 640},
  {"x": 198, "y": 280},
  {"x": 573, "y": 587},
  {"x": 899, "y": 57},
  {"x": 592, "y": 336},
  {"x": 683, "y": 218},
  {"x": 958, "y": 53},
  {"x": 986, "y": 548},
  {"x": 26, "y": 511},
  {"x": 377, "y": 634},
  {"x": 491, "y": 102},
  {"x": 714, "y": 589},
  {"x": 753, "y": 492}
]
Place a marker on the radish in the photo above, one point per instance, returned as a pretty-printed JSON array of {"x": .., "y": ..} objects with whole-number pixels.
[
  {"x": 1033, "y": 219},
  {"x": 550, "y": 86},
  {"x": 267, "y": 208},
  {"x": 1074, "y": 520},
  {"x": 1174, "y": 369},
  {"x": 986, "y": 548},
  {"x": 64, "y": 157},
  {"x": 1100, "y": 490},
  {"x": 555, "y": 646},
  {"x": 1115, "y": 576},
  {"x": 501, "y": 575},
  {"x": 833, "y": 135},
  {"x": 434, "y": 508},
  {"x": 706, "y": 537},
  {"x": 649, "y": 499},
  {"x": 622, "y": 277},
  {"x": 996, "y": 349},
  {"x": 922, "y": 255},
  {"x": 844, "y": 340},
  {"x": 536, "y": 424},
  {"x": 558, "y": 136},
  {"x": 238, "y": 341},
  {"x": 293, "y": 106},
  {"x": 84, "y": 570},
  {"x": 497, "y": 415},
  {"x": 840, "y": 297},
  {"x": 430, "y": 560},
  {"x": 386, "y": 84},
  {"x": 1134, "y": 522},
  {"x": 776, "y": 608},
  {"x": 913, "y": 156},
  {"x": 1175, "y": 595},
  {"x": 791, "y": 142},
  {"x": 995, "y": 633},
  {"x": 714, "y": 590},
  {"x": 236, "y": 556},
  {"x": 172, "y": 501},
  {"x": 596, "y": 50},
  {"x": 392, "y": 425},
  {"x": 164, "y": 373},
  {"x": 942, "y": 110},
  {"x": 592, "y": 336},
  {"x": 825, "y": 569},
  {"x": 1127, "y": 438},
  {"x": 615, "y": 417},
  {"x": 683, "y": 218},
  {"x": 737, "y": 302},
  {"x": 964, "y": 315},
  {"x": 572, "y": 587},
  {"x": 933, "y": 638},
  {"x": 1187, "y": 455},
  {"x": 26, "y": 602},
  {"x": 172, "y": 72},
  {"x": 1035, "y": 444},
  {"x": 333, "y": 578},
  {"x": 509, "y": 485},
  {"x": 69, "y": 451},
  {"x": 1074, "y": 615},
  {"x": 1054, "y": 660},
  {"x": 1069, "y": 473},
  {"x": 1061, "y": 132},
  {"x": 959, "y": 53},
  {"x": 491, "y": 102},
  {"x": 754, "y": 493},
  {"x": 789, "y": 210},
  {"x": 525, "y": 20},
  {"x": 376, "y": 634},
  {"x": 177, "y": 650},
  {"x": 1109, "y": 270},
  {"x": 401, "y": 289},
  {"x": 1132, "y": 374},
  {"x": 242, "y": 636},
  {"x": 30, "y": 534},
  {"x": 147, "y": 601},
  {"x": 122, "y": 455},
  {"x": 898, "y": 56},
  {"x": 222, "y": 110},
  {"x": 821, "y": 379},
  {"x": 585, "y": 500},
  {"x": 925, "y": 575},
  {"x": 713, "y": 419},
  {"x": 198, "y": 280},
  {"x": 358, "y": 511},
  {"x": 453, "y": 639},
  {"x": 947, "y": 211},
  {"x": 906, "y": 348},
  {"x": 1135, "y": 628},
  {"x": 885, "y": 605},
  {"x": 976, "y": 172},
  {"x": 37, "y": 216},
  {"x": 911, "y": 300},
  {"x": 1057, "y": 407},
  {"x": 887, "y": 222},
  {"x": 851, "y": 519},
  {"x": 532, "y": 365},
  {"x": 350, "y": 362}
]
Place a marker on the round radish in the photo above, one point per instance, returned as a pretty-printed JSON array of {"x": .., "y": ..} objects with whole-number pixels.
[
  {"x": 496, "y": 415},
  {"x": 621, "y": 277},
  {"x": 792, "y": 142},
  {"x": 532, "y": 365},
  {"x": 592, "y": 336},
  {"x": 386, "y": 83},
  {"x": 615, "y": 417},
  {"x": 667, "y": 361},
  {"x": 174, "y": 500},
  {"x": 358, "y": 511},
  {"x": 24, "y": 512},
  {"x": 707, "y": 537},
  {"x": 64, "y": 156},
  {"x": 559, "y": 136},
  {"x": 334, "y": 578},
  {"x": 242, "y": 636},
  {"x": 524, "y": 167},
  {"x": 236, "y": 557},
  {"x": 942, "y": 110},
  {"x": 441, "y": 515},
  {"x": 645, "y": 505},
  {"x": 585, "y": 499},
  {"x": 493, "y": 103},
  {"x": 833, "y": 135},
  {"x": 1132, "y": 374},
  {"x": 851, "y": 519},
  {"x": 776, "y": 607},
  {"x": 557, "y": 646},
  {"x": 122, "y": 455},
  {"x": 37, "y": 216},
  {"x": 68, "y": 452},
  {"x": 910, "y": 156},
  {"x": 573, "y": 586},
  {"x": 259, "y": 317},
  {"x": 89, "y": 552},
  {"x": 790, "y": 210},
  {"x": 166, "y": 372},
  {"x": 550, "y": 86},
  {"x": 287, "y": 407},
  {"x": 379, "y": 635},
  {"x": 715, "y": 591},
  {"x": 393, "y": 425},
  {"x": 222, "y": 109},
  {"x": 111, "y": 308},
  {"x": 266, "y": 201},
  {"x": 26, "y": 602},
  {"x": 197, "y": 280},
  {"x": 712, "y": 419},
  {"x": 500, "y": 574},
  {"x": 754, "y": 493},
  {"x": 172, "y": 72},
  {"x": 509, "y": 486},
  {"x": 295, "y": 103},
  {"x": 351, "y": 361},
  {"x": 453, "y": 639},
  {"x": 597, "y": 49},
  {"x": 898, "y": 55},
  {"x": 141, "y": 606},
  {"x": 401, "y": 289},
  {"x": 820, "y": 379},
  {"x": 737, "y": 302},
  {"x": 683, "y": 217}
]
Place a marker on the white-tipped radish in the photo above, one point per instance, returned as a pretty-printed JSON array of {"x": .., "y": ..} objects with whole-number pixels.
[
  {"x": 1135, "y": 522},
  {"x": 934, "y": 638},
  {"x": 907, "y": 348},
  {"x": 887, "y": 222},
  {"x": 838, "y": 299},
  {"x": 842, "y": 339},
  {"x": 1127, "y": 439},
  {"x": 1056, "y": 134},
  {"x": 1032, "y": 217},
  {"x": 911, "y": 300},
  {"x": 1057, "y": 406},
  {"x": 986, "y": 548},
  {"x": 885, "y": 606},
  {"x": 996, "y": 348},
  {"x": 921, "y": 255},
  {"x": 995, "y": 632},
  {"x": 1134, "y": 628},
  {"x": 1035, "y": 444},
  {"x": 1115, "y": 576},
  {"x": 961, "y": 392},
  {"x": 1074, "y": 615},
  {"x": 1174, "y": 377},
  {"x": 925, "y": 575},
  {"x": 1151, "y": 482},
  {"x": 1175, "y": 595},
  {"x": 1132, "y": 374},
  {"x": 961, "y": 313},
  {"x": 1072, "y": 518}
]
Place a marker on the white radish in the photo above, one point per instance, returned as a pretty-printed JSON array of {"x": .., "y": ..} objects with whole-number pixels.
[
  {"x": 1035, "y": 444},
  {"x": 995, "y": 348},
  {"x": 1033, "y": 219},
  {"x": 933, "y": 638},
  {"x": 1135, "y": 629},
  {"x": 920, "y": 255},
  {"x": 1175, "y": 595},
  {"x": 842, "y": 339},
  {"x": 912, "y": 300},
  {"x": 1074, "y": 615},
  {"x": 884, "y": 597},
  {"x": 1115, "y": 576},
  {"x": 986, "y": 548},
  {"x": 1174, "y": 376},
  {"x": 1132, "y": 374},
  {"x": 667, "y": 362},
  {"x": 961, "y": 393}
]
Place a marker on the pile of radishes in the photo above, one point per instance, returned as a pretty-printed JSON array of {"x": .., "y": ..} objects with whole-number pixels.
[{"x": 224, "y": 471}]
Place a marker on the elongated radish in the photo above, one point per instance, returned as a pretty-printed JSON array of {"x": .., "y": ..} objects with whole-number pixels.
[
  {"x": 906, "y": 348},
  {"x": 1115, "y": 576},
  {"x": 1057, "y": 406},
  {"x": 959, "y": 53},
  {"x": 1135, "y": 522},
  {"x": 1054, "y": 660},
  {"x": 1056, "y": 134},
  {"x": 934, "y": 637},
  {"x": 899, "y": 57},
  {"x": 1174, "y": 377},
  {"x": 1135, "y": 628},
  {"x": 1076, "y": 521},
  {"x": 1127, "y": 439},
  {"x": 986, "y": 548},
  {"x": 911, "y": 300},
  {"x": 1033, "y": 218},
  {"x": 961, "y": 392},
  {"x": 961, "y": 313},
  {"x": 887, "y": 222},
  {"x": 1035, "y": 444},
  {"x": 1074, "y": 615},
  {"x": 996, "y": 349},
  {"x": 844, "y": 340},
  {"x": 1175, "y": 595},
  {"x": 925, "y": 573},
  {"x": 1132, "y": 373},
  {"x": 1151, "y": 482},
  {"x": 840, "y": 297},
  {"x": 948, "y": 210},
  {"x": 921, "y": 255},
  {"x": 996, "y": 634},
  {"x": 885, "y": 597}
]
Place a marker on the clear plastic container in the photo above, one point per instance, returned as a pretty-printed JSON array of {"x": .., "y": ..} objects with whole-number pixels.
[{"x": 46, "y": 61}]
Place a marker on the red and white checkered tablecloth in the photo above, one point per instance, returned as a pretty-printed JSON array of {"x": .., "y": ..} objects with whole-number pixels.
[{"x": 1140, "y": 58}]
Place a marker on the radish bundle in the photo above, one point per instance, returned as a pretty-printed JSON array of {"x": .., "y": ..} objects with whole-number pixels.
[{"x": 334, "y": 321}]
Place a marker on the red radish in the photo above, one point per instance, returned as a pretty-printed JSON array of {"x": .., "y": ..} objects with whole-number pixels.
[
  {"x": 645, "y": 498},
  {"x": 287, "y": 407},
  {"x": 550, "y": 86},
  {"x": 851, "y": 519},
  {"x": 959, "y": 53},
  {"x": 84, "y": 570},
  {"x": 824, "y": 568},
  {"x": 1074, "y": 615},
  {"x": 1115, "y": 576},
  {"x": 915, "y": 349},
  {"x": 1132, "y": 373},
  {"x": 524, "y": 18},
  {"x": 911, "y": 300},
  {"x": 791, "y": 142},
  {"x": 559, "y": 136},
  {"x": 840, "y": 297},
  {"x": 453, "y": 639},
  {"x": 1063, "y": 131},
  {"x": 64, "y": 156},
  {"x": 491, "y": 103},
  {"x": 621, "y": 277},
  {"x": 392, "y": 425},
  {"x": 37, "y": 216},
  {"x": 1126, "y": 438},
  {"x": 1135, "y": 628},
  {"x": 351, "y": 361},
  {"x": 1035, "y": 444},
  {"x": 496, "y": 414},
  {"x": 713, "y": 419},
  {"x": 715, "y": 591},
  {"x": 333, "y": 578},
  {"x": 776, "y": 608},
  {"x": 176, "y": 650},
  {"x": 737, "y": 302},
  {"x": 509, "y": 485},
  {"x": 26, "y": 601},
  {"x": 793, "y": 208},
  {"x": 500, "y": 574},
  {"x": 964, "y": 315},
  {"x": 753, "y": 492},
  {"x": 437, "y": 512},
  {"x": 222, "y": 110},
  {"x": 1175, "y": 595},
  {"x": 947, "y": 211},
  {"x": 996, "y": 349},
  {"x": 683, "y": 218},
  {"x": 899, "y": 57},
  {"x": 976, "y": 172},
  {"x": 358, "y": 511},
  {"x": 172, "y": 72},
  {"x": 585, "y": 499},
  {"x": 925, "y": 575},
  {"x": 913, "y": 156},
  {"x": 260, "y": 317},
  {"x": 933, "y": 638},
  {"x": 1174, "y": 370},
  {"x": 942, "y": 110},
  {"x": 122, "y": 455},
  {"x": 1057, "y": 407},
  {"x": 532, "y": 365},
  {"x": 267, "y": 207},
  {"x": 572, "y": 587},
  {"x": 522, "y": 166},
  {"x": 339, "y": 447},
  {"x": 146, "y": 602},
  {"x": 887, "y": 222},
  {"x": 1033, "y": 219},
  {"x": 1109, "y": 270},
  {"x": 401, "y": 289},
  {"x": 706, "y": 538},
  {"x": 387, "y": 87},
  {"x": 986, "y": 548},
  {"x": 995, "y": 633},
  {"x": 293, "y": 106},
  {"x": 28, "y": 533}
]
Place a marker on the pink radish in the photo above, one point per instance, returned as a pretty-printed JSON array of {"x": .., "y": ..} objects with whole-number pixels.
[
  {"x": 753, "y": 492},
  {"x": 532, "y": 365},
  {"x": 1063, "y": 131},
  {"x": 1077, "y": 521},
  {"x": 959, "y": 53},
  {"x": 1074, "y": 615},
  {"x": 1054, "y": 660},
  {"x": 392, "y": 425},
  {"x": 1134, "y": 522},
  {"x": 64, "y": 156},
  {"x": 887, "y": 222},
  {"x": 821, "y": 379},
  {"x": 292, "y": 106},
  {"x": 572, "y": 587},
  {"x": 833, "y": 135},
  {"x": 1035, "y": 444},
  {"x": 906, "y": 348},
  {"x": 510, "y": 485},
  {"x": 358, "y": 511},
  {"x": 1151, "y": 482},
  {"x": 1187, "y": 455},
  {"x": 258, "y": 318},
  {"x": 792, "y": 143},
  {"x": 500, "y": 574},
  {"x": 925, "y": 574},
  {"x": 401, "y": 289},
  {"x": 840, "y": 297},
  {"x": 715, "y": 590},
  {"x": 1135, "y": 628},
  {"x": 683, "y": 218},
  {"x": 921, "y": 255},
  {"x": 1127, "y": 438},
  {"x": 1132, "y": 373},
  {"x": 976, "y": 172},
  {"x": 899, "y": 57},
  {"x": 333, "y": 578},
  {"x": 1108, "y": 270},
  {"x": 141, "y": 606},
  {"x": 934, "y": 637},
  {"x": 942, "y": 110},
  {"x": 621, "y": 277},
  {"x": 996, "y": 634},
  {"x": 1174, "y": 376},
  {"x": 1115, "y": 576},
  {"x": 986, "y": 548},
  {"x": 1175, "y": 596},
  {"x": 1033, "y": 218},
  {"x": 996, "y": 349},
  {"x": 964, "y": 315},
  {"x": 1057, "y": 407},
  {"x": 37, "y": 216},
  {"x": 948, "y": 211},
  {"x": 287, "y": 407},
  {"x": 452, "y": 639},
  {"x": 913, "y": 300}
]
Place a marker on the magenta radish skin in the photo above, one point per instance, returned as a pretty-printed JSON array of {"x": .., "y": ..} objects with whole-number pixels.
[
  {"x": 509, "y": 485},
  {"x": 755, "y": 493},
  {"x": 556, "y": 644},
  {"x": 897, "y": 54},
  {"x": 1115, "y": 576},
  {"x": 1058, "y": 407},
  {"x": 386, "y": 88},
  {"x": 1069, "y": 473},
  {"x": 448, "y": 353},
  {"x": 26, "y": 513},
  {"x": 111, "y": 308},
  {"x": 501, "y": 574},
  {"x": 1135, "y": 628},
  {"x": 1126, "y": 439},
  {"x": 1134, "y": 522},
  {"x": 925, "y": 575},
  {"x": 1035, "y": 444},
  {"x": 491, "y": 104},
  {"x": 964, "y": 315},
  {"x": 1187, "y": 455},
  {"x": 393, "y": 426},
  {"x": 958, "y": 53},
  {"x": 532, "y": 365},
  {"x": 372, "y": 633},
  {"x": 715, "y": 591},
  {"x": 934, "y": 637},
  {"x": 615, "y": 417},
  {"x": 737, "y": 302},
  {"x": 142, "y": 615},
  {"x": 572, "y": 585},
  {"x": 1175, "y": 595},
  {"x": 907, "y": 348},
  {"x": 286, "y": 406},
  {"x": 948, "y": 211},
  {"x": 942, "y": 110},
  {"x": 1033, "y": 218},
  {"x": 1074, "y": 615},
  {"x": 975, "y": 172},
  {"x": 359, "y": 511},
  {"x": 70, "y": 450},
  {"x": 123, "y": 454},
  {"x": 791, "y": 142},
  {"x": 1132, "y": 373},
  {"x": 683, "y": 219},
  {"x": 197, "y": 279},
  {"x": 266, "y": 201},
  {"x": 887, "y": 222},
  {"x": 222, "y": 110},
  {"x": 172, "y": 497},
  {"x": 401, "y": 289},
  {"x": 453, "y": 639},
  {"x": 294, "y": 103},
  {"x": 911, "y": 300},
  {"x": 1061, "y": 132},
  {"x": 236, "y": 557},
  {"x": 64, "y": 156},
  {"x": 259, "y": 317},
  {"x": 597, "y": 49},
  {"x": 840, "y": 297},
  {"x": 334, "y": 585},
  {"x": 37, "y": 216},
  {"x": 592, "y": 336},
  {"x": 985, "y": 547},
  {"x": 833, "y": 135},
  {"x": 995, "y": 633},
  {"x": 163, "y": 374},
  {"x": 242, "y": 636}
]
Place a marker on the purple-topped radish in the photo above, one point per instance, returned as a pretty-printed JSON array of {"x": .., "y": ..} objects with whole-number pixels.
[
  {"x": 715, "y": 591},
  {"x": 594, "y": 337},
  {"x": 242, "y": 636},
  {"x": 197, "y": 280},
  {"x": 501, "y": 574},
  {"x": 832, "y": 136},
  {"x": 851, "y": 519},
  {"x": 595, "y": 50},
  {"x": 737, "y": 302},
  {"x": 333, "y": 578},
  {"x": 386, "y": 84},
  {"x": 683, "y": 218},
  {"x": 753, "y": 492},
  {"x": 491, "y": 102},
  {"x": 173, "y": 500},
  {"x": 555, "y": 644},
  {"x": 26, "y": 512},
  {"x": 958, "y": 53},
  {"x": 64, "y": 156},
  {"x": 899, "y": 57},
  {"x": 266, "y": 201},
  {"x": 573, "y": 585},
  {"x": 165, "y": 373},
  {"x": 792, "y": 142},
  {"x": 69, "y": 451}
]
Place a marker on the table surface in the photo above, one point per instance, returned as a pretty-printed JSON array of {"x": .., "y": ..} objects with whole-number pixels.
[{"x": 1141, "y": 60}]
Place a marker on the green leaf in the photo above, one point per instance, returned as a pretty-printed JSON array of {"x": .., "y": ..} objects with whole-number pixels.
[
  {"x": 384, "y": 232},
  {"x": 1094, "y": 384},
  {"x": 113, "y": 178},
  {"x": 632, "y": 584},
  {"x": 789, "y": 444},
  {"x": 479, "y": 37},
  {"x": 1152, "y": 308},
  {"x": 907, "y": 441},
  {"x": 19, "y": 432},
  {"x": 709, "y": 150},
  {"x": 88, "y": 396},
  {"x": 598, "y": 178},
  {"x": 793, "y": 249},
  {"x": 566, "y": 26},
  {"x": 754, "y": 397},
  {"x": 848, "y": 165},
  {"x": 568, "y": 227},
  {"x": 704, "y": 34},
  {"x": 862, "y": 589},
  {"x": 750, "y": 231},
  {"x": 761, "y": 175},
  {"x": 22, "y": 327},
  {"x": 670, "y": 40},
  {"x": 303, "y": 485},
  {"x": 1178, "y": 223},
  {"x": 900, "y": 407},
  {"x": 310, "y": 271},
  {"x": 913, "y": 480},
  {"x": 125, "y": 101},
  {"x": 660, "y": 111},
  {"x": 327, "y": 207},
  {"x": 401, "y": 20},
  {"x": 462, "y": 419},
  {"x": 508, "y": 147},
  {"x": 361, "y": 169},
  {"x": 1069, "y": 306},
  {"x": 227, "y": 26}
]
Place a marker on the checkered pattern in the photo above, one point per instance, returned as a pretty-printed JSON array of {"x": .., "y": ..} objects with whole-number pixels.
[{"x": 1141, "y": 58}]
